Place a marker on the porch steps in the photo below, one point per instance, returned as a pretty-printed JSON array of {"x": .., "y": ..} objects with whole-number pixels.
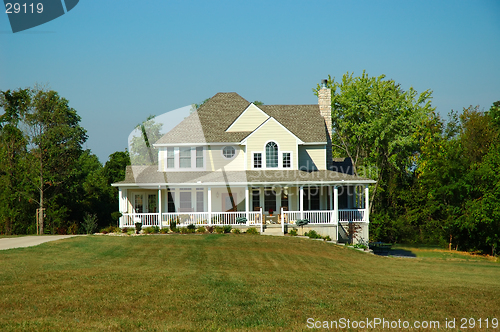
[{"x": 274, "y": 230}]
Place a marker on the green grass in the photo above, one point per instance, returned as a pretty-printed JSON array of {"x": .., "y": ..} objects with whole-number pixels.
[{"x": 229, "y": 282}]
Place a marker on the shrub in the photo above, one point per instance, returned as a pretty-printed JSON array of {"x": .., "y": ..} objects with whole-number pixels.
[
  {"x": 89, "y": 223},
  {"x": 236, "y": 231},
  {"x": 293, "y": 232},
  {"x": 201, "y": 229},
  {"x": 156, "y": 229},
  {"x": 148, "y": 230},
  {"x": 327, "y": 238},
  {"x": 252, "y": 230},
  {"x": 227, "y": 228},
  {"x": 164, "y": 230},
  {"x": 125, "y": 229},
  {"x": 210, "y": 229},
  {"x": 130, "y": 231},
  {"x": 191, "y": 227},
  {"x": 219, "y": 230},
  {"x": 173, "y": 226},
  {"x": 183, "y": 230},
  {"x": 313, "y": 235},
  {"x": 110, "y": 229},
  {"x": 138, "y": 227}
]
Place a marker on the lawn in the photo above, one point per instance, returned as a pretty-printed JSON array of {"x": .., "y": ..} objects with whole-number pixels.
[{"x": 231, "y": 282}]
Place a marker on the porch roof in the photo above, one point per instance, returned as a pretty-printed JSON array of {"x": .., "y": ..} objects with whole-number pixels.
[{"x": 137, "y": 176}]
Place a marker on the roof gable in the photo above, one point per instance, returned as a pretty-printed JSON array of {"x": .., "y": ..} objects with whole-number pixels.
[{"x": 251, "y": 118}]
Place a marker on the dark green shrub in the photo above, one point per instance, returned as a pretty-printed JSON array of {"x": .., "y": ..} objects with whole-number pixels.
[
  {"x": 164, "y": 230},
  {"x": 252, "y": 230},
  {"x": 138, "y": 227},
  {"x": 293, "y": 232},
  {"x": 219, "y": 229},
  {"x": 327, "y": 238},
  {"x": 183, "y": 230},
  {"x": 191, "y": 227},
  {"x": 201, "y": 229},
  {"x": 173, "y": 226},
  {"x": 156, "y": 229},
  {"x": 210, "y": 229},
  {"x": 313, "y": 235},
  {"x": 227, "y": 228}
]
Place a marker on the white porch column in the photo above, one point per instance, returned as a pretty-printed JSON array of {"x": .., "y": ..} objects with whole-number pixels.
[
  {"x": 120, "y": 206},
  {"x": 330, "y": 195},
  {"x": 335, "y": 205},
  {"x": 159, "y": 207},
  {"x": 209, "y": 203},
  {"x": 247, "y": 205},
  {"x": 301, "y": 202},
  {"x": 367, "y": 205}
]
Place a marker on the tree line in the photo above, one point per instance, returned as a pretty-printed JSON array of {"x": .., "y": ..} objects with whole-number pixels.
[
  {"x": 438, "y": 181},
  {"x": 45, "y": 174}
]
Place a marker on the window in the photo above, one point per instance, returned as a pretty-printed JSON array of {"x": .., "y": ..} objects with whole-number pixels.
[
  {"x": 152, "y": 204},
  {"x": 228, "y": 152},
  {"x": 199, "y": 201},
  {"x": 255, "y": 198},
  {"x": 185, "y": 201},
  {"x": 170, "y": 157},
  {"x": 170, "y": 201},
  {"x": 199, "y": 156},
  {"x": 287, "y": 160},
  {"x": 271, "y": 155},
  {"x": 284, "y": 197},
  {"x": 138, "y": 203},
  {"x": 185, "y": 157},
  {"x": 257, "y": 160}
]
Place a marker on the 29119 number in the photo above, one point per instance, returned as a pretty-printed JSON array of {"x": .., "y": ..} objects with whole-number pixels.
[{"x": 17, "y": 8}]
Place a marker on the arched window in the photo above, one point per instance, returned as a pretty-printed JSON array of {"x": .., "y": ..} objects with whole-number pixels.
[{"x": 271, "y": 155}]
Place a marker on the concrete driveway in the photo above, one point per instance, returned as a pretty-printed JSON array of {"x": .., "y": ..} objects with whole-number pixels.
[{"x": 29, "y": 241}]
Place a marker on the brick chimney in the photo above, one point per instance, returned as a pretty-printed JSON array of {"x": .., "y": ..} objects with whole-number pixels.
[{"x": 325, "y": 105}]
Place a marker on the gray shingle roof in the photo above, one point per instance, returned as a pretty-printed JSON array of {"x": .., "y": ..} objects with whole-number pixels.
[
  {"x": 150, "y": 175},
  {"x": 210, "y": 121}
]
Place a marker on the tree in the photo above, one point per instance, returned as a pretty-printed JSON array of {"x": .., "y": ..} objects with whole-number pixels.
[
  {"x": 374, "y": 122},
  {"x": 53, "y": 140},
  {"x": 141, "y": 144}
]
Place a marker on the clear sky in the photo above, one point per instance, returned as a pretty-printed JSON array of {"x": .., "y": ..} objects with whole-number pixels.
[{"x": 119, "y": 61}]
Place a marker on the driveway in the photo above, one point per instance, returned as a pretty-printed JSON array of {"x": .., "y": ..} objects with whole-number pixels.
[{"x": 29, "y": 241}]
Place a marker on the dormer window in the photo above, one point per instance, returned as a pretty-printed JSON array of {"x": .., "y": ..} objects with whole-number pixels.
[{"x": 271, "y": 155}]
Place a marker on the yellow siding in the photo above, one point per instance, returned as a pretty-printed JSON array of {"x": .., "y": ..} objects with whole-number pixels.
[
  {"x": 272, "y": 131},
  {"x": 249, "y": 120},
  {"x": 217, "y": 160},
  {"x": 312, "y": 157}
]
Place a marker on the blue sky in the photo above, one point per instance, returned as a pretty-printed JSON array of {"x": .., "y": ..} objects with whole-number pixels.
[{"x": 119, "y": 61}]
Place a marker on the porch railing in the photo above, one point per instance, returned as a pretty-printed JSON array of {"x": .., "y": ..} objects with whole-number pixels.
[
  {"x": 213, "y": 218},
  {"x": 147, "y": 219},
  {"x": 352, "y": 215}
]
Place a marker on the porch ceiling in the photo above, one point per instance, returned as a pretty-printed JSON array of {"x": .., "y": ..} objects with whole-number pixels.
[{"x": 149, "y": 175}]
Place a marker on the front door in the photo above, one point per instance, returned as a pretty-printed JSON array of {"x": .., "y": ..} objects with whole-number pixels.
[{"x": 138, "y": 203}]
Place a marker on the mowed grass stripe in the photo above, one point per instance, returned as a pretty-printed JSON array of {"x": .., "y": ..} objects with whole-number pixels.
[{"x": 229, "y": 282}]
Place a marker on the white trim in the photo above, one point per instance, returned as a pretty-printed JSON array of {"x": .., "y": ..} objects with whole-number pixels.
[
  {"x": 219, "y": 184},
  {"x": 263, "y": 123},
  {"x": 246, "y": 109},
  {"x": 314, "y": 143}
]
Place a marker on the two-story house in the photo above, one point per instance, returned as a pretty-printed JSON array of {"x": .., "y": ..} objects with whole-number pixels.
[{"x": 231, "y": 159}]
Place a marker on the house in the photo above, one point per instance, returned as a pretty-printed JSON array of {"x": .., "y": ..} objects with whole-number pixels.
[{"x": 232, "y": 159}]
